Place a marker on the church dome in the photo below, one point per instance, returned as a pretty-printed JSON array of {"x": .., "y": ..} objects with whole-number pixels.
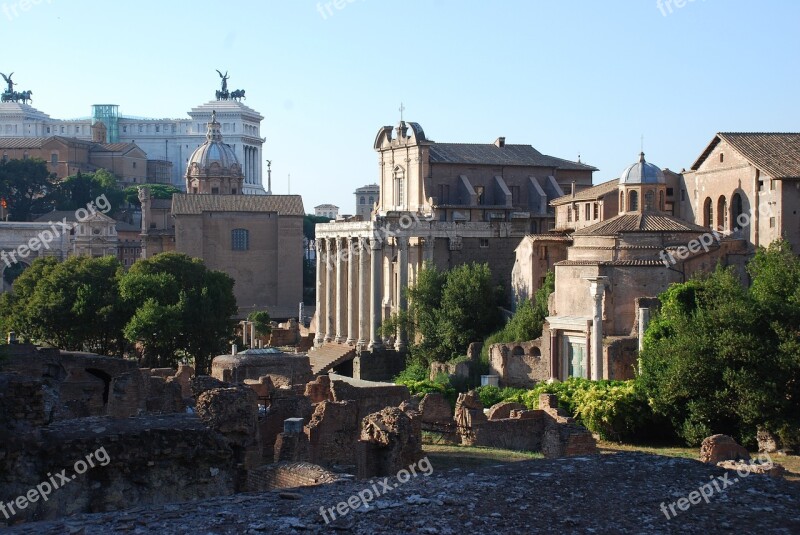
[
  {"x": 214, "y": 156},
  {"x": 642, "y": 173}
]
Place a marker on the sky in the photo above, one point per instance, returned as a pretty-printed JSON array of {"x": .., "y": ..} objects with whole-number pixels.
[{"x": 567, "y": 77}]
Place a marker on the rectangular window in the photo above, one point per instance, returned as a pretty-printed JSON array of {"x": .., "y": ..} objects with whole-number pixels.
[
  {"x": 54, "y": 159},
  {"x": 670, "y": 192},
  {"x": 577, "y": 214},
  {"x": 597, "y": 210},
  {"x": 444, "y": 193},
  {"x": 683, "y": 194},
  {"x": 240, "y": 239},
  {"x": 514, "y": 195},
  {"x": 479, "y": 192},
  {"x": 569, "y": 213},
  {"x": 771, "y": 222},
  {"x": 588, "y": 214},
  {"x": 484, "y": 243},
  {"x": 772, "y": 184}
]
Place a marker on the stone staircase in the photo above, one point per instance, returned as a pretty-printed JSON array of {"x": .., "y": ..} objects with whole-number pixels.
[{"x": 329, "y": 355}]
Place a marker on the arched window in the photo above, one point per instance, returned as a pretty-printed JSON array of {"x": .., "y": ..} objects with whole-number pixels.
[
  {"x": 569, "y": 214},
  {"x": 722, "y": 213},
  {"x": 399, "y": 187},
  {"x": 649, "y": 199},
  {"x": 633, "y": 201},
  {"x": 363, "y": 200},
  {"x": 661, "y": 200},
  {"x": 621, "y": 202},
  {"x": 708, "y": 213},
  {"x": 737, "y": 209},
  {"x": 240, "y": 239},
  {"x": 371, "y": 200}
]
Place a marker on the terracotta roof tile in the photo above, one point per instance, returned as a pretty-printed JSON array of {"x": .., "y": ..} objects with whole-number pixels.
[{"x": 183, "y": 203}]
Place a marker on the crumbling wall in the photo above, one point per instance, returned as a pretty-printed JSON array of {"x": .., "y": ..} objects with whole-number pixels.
[
  {"x": 547, "y": 429},
  {"x": 233, "y": 412},
  {"x": 370, "y": 397},
  {"x": 390, "y": 440},
  {"x": 520, "y": 364},
  {"x": 283, "y": 368},
  {"x": 137, "y": 461},
  {"x": 333, "y": 432}
]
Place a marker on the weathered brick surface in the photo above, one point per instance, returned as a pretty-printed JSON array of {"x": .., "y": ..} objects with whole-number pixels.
[
  {"x": 333, "y": 432},
  {"x": 285, "y": 475}
]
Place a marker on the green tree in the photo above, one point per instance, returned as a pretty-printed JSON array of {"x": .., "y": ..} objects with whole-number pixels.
[
  {"x": 262, "y": 321},
  {"x": 447, "y": 311},
  {"x": 180, "y": 307},
  {"x": 721, "y": 358},
  {"x": 157, "y": 191},
  {"x": 77, "y": 191},
  {"x": 310, "y": 222},
  {"x": 24, "y": 184},
  {"x": 73, "y": 305}
]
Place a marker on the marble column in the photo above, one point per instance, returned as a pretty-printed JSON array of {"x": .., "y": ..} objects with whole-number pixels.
[
  {"x": 352, "y": 292},
  {"x": 322, "y": 290},
  {"x": 341, "y": 289},
  {"x": 376, "y": 261},
  {"x": 330, "y": 284},
  {"x": 402, "y": 272},
  {"x": 427, "y": 255},
  {"x": 363, "y": 292},
  {"x": 597, "y": 288}
]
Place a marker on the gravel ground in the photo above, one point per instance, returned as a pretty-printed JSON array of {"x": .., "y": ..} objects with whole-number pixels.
[{"x": 618, "y": 493}]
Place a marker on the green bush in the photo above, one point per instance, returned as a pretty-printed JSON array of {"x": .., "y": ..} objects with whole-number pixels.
[
  {"x": 413, "y": 372},
  {"x": 615, "y": 410}
]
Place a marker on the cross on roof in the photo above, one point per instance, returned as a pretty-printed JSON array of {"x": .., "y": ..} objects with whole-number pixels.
[{"x": 401, "y": 109}]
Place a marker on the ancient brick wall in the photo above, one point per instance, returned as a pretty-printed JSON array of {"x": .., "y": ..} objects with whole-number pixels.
[{"x": 286, "y": 475}]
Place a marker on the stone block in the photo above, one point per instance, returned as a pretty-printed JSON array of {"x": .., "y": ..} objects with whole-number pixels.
[{"x": 719, "y": 447}]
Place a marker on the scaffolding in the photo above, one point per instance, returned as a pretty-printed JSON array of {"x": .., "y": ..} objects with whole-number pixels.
[{"x": 108, "y": 114}]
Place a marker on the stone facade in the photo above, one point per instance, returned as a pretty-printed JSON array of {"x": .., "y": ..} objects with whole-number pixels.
[
  {"x": 445, "y": 203},
  {"x": 166, "y": 140}
]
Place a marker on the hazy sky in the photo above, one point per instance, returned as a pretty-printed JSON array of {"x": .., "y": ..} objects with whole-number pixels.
[{"x": 567, "y": 77}]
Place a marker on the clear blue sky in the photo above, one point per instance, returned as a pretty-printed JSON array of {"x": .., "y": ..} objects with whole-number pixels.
[{"x": 563, "y": 76}]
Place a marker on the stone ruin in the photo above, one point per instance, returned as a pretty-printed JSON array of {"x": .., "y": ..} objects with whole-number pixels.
[
  {"x": 507, "y": 425},
  {"x": 171, "y": 436}
]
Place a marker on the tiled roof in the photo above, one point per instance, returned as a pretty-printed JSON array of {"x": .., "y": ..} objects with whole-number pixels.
[
  {"x": 588, "y": 194},
  {"x": 124, "y": 226},
  {"x": 183, "y": 203},
  {"x": 113, "y": 147},
  {"x": 491, "y": 154},
  {"x": 22, "y": 142},
  {"x": 610, "y": 263},
  {"x": 647, "y": 222},
  {"x": 161, "y": 204},
  {"x": 777, "y": 154},
  {"x": 549, "y": 237}
]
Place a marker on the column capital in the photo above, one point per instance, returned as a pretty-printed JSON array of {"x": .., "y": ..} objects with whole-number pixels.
[
  {"x": 402, "y": 242},
  {"x": 376, "y": 244}
]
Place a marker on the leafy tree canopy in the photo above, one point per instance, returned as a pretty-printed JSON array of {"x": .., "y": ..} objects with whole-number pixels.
[
  {"x": 24, "y": 185},
  {"x": 722, "y": 358}
]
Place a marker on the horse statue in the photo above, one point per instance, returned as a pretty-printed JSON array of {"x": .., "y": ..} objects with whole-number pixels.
[
  {"x": 238, "y": 95},
  {"x": 25, "y": 96},
  {"x": 223, "y": 95}
]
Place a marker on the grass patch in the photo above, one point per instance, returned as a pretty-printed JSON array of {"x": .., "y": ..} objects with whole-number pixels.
[{"x": 446, "y": 457}]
